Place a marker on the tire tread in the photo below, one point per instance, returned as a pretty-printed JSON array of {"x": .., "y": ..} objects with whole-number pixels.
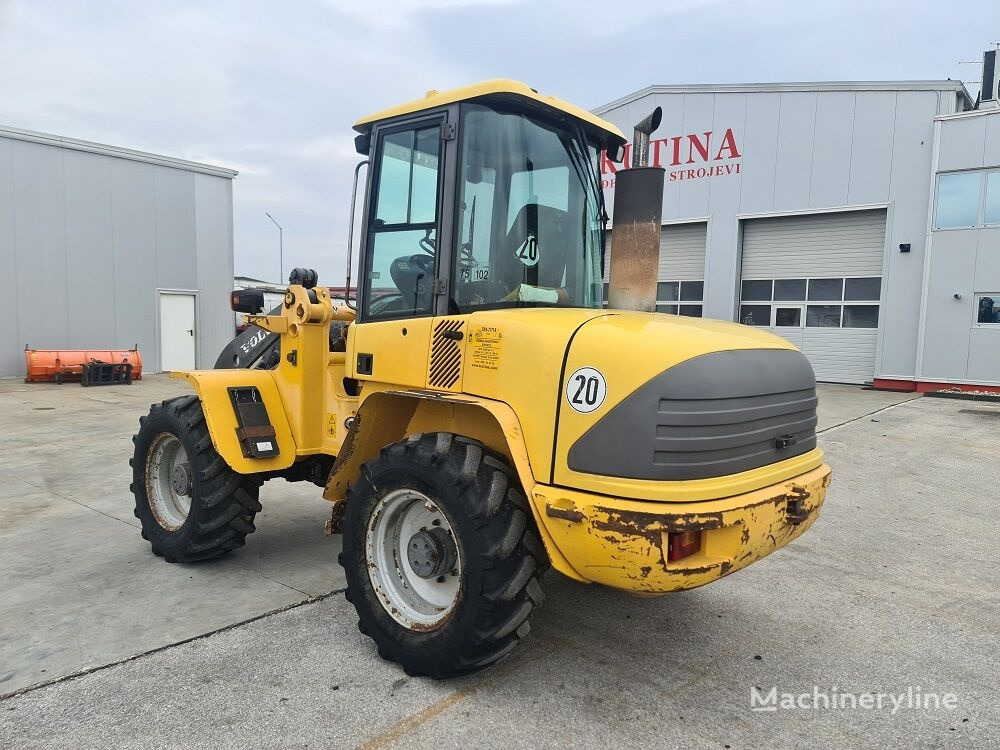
[
  {"x": 228, "y": 500},
  {"x": 511, "y": 555}
]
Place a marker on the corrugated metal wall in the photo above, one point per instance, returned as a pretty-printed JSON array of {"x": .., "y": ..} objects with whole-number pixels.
[
  {"x": 846, "y": 243},
  {"x": 682, "y": 252},
  {"x": 86, "y": 239}
]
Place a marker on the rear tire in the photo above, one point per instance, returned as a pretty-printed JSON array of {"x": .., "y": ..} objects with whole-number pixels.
[
  {"x": 451, "y": 487},
  {"x": 191, "y": 504}
]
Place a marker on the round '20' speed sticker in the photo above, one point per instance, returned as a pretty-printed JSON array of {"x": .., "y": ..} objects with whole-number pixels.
[{"x": 586, "y": 390}]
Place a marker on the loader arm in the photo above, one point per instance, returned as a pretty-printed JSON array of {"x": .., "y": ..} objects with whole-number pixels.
[{"x": 249, "y": 348}]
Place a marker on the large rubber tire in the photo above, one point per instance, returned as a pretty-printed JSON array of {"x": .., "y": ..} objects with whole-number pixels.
[
  {"x": 223, "y": 502},
  {"x": 501, "y": 555}
]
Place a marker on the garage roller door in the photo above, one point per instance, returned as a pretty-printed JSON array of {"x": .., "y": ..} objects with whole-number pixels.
[
  {"x": 816, "y": 280},
  {"x": 681, "y": 268}
]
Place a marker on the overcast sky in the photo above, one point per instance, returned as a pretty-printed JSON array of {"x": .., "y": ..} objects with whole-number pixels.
[{"x": 271, "y": 88}]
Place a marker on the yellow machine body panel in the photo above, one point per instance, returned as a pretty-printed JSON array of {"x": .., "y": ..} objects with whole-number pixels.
[
  {"x": 517, "y": 357},
  {"x": 512, "y": 364},
  {"x": 618, "y": 345},
  {"x": 624, "y": 543},
  {"x": 304, "y": 395},
  {"x": 510, "y": 368},
  {"x": 496, "y": 87},
  {"x": 212, "y": 387}
]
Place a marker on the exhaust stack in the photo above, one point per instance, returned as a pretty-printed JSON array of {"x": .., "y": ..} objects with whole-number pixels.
[
  {"x": 635, "y": 236},
  {"x": 640, "y": 139}
]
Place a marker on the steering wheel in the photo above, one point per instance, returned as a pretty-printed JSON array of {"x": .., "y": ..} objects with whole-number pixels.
[{"x": 412, "y": 275}]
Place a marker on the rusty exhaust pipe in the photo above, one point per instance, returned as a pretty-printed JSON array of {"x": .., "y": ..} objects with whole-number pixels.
[
  {"x": 640, "y": 139},
  {"x": 635, "y": 234}
]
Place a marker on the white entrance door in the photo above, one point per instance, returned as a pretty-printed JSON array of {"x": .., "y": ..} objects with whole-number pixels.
[{"x": 176, "y": 331}]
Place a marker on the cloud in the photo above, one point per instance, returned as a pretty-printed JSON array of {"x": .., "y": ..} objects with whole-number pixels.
[{"x": 271, "y": 89}]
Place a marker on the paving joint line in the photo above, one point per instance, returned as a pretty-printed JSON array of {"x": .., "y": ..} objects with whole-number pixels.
[
  {"x": 274, "y": 580},
  {"x": 166, "y": 646},
  {"x": 869, "y": 414},
  {"x": 77, "y": 502}
]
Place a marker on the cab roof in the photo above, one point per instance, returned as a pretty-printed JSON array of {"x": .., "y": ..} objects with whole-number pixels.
[{"x": 497, "y": 89}]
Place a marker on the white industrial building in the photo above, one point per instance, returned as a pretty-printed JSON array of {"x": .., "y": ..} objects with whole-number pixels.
[
  {"x": 859, "y": 220},
  {"x": 105, "y": 248}
]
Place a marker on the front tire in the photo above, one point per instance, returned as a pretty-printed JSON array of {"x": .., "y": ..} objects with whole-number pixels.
[
  {"x": 191, "y": 504},
  {"x": 441, "y": 556}
]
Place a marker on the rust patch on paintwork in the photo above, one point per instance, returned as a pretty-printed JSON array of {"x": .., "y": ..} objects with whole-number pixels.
[
  {"x": 722, "y": 567},
  {"x": 567, "y": 514},
  {"x": 631, "y": 523},
  {"x": 335, "y": 523}
]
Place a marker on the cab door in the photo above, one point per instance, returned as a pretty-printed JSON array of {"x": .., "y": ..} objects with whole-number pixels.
[{"x": 400, "y": 279}]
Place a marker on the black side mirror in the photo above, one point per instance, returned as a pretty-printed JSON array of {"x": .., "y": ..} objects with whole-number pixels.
[
  {"x": 250, "y": 301},
  {"x": 363, "y": 143},
  {"x": 615, "y": 152}
]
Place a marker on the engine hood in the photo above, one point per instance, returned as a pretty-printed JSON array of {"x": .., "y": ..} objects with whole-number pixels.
[
  {"x": 528, "y": 358},
  {"x": 682, "y": 401}
]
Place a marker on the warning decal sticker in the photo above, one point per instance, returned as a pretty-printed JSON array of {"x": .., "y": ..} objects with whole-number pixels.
[
  {"x": 485, "y": 347},
  {"x": 527, "y": 253}
]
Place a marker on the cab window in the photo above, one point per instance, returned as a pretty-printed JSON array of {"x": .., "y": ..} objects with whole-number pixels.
[
  {"x": 528, "y": 228},
  {"x": 402, "y": 235}
]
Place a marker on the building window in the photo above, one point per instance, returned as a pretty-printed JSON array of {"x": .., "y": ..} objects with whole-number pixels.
[
  {"x": 992, "y": 209},
  {"x": 860, "y": 316},
  {"x": 823, "y": 316},
  {"x": 865, "y": 288},
  {"x": 676, "y": 297},
  {"x": 789, "y": 290},
  {"x": 755, "y": 290},
  {"x": 988, "y": 309},
  {"x": 958, "y": 200},
  {"x": 849, "y": 302},
  {"x": 755, "y": 315},
  {"x": 825, "y": 290},
  {"x": 680, "y": 297},
  {"x": 966, "y": 200}
]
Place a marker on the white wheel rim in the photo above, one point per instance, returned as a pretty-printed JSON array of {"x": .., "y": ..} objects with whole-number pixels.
[
  {"x": 168, "y": 481},
  {"x": 415, "y": 603}
]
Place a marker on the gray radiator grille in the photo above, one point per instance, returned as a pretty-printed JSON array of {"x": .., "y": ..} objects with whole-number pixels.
[
  {"x": 726, "y": 436},
  {"x": 714, "y": 415}
]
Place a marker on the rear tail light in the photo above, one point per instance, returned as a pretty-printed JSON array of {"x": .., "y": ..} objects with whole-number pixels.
[{"x": 682, "y": 544}]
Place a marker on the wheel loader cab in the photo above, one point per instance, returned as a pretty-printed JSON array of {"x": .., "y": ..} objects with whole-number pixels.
[
  {"x": 490, "y": 417},
  {"x": 481, "y": 204},
  {"x": 488, "y": 203}
]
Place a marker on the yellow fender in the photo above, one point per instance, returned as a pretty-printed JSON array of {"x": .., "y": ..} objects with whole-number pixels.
[
  {"x": 387, "y": 416},
  {"x": 212, "y": 387}
]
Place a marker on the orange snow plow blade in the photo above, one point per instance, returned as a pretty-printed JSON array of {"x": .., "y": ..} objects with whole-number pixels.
[{"x": 60, "y": 365}]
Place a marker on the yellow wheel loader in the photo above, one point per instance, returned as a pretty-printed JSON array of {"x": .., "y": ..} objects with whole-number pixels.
[{"x": 479, "y": 415}]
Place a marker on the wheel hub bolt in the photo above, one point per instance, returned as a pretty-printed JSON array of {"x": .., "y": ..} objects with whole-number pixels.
[
  {"x": 180, "y": 479},
  {"x": 431, "y": 552}
]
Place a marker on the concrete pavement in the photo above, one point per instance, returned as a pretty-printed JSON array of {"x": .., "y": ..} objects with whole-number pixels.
[
  {"x": 893, "y": 588},
  {"x": 80, "y": 587}
]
